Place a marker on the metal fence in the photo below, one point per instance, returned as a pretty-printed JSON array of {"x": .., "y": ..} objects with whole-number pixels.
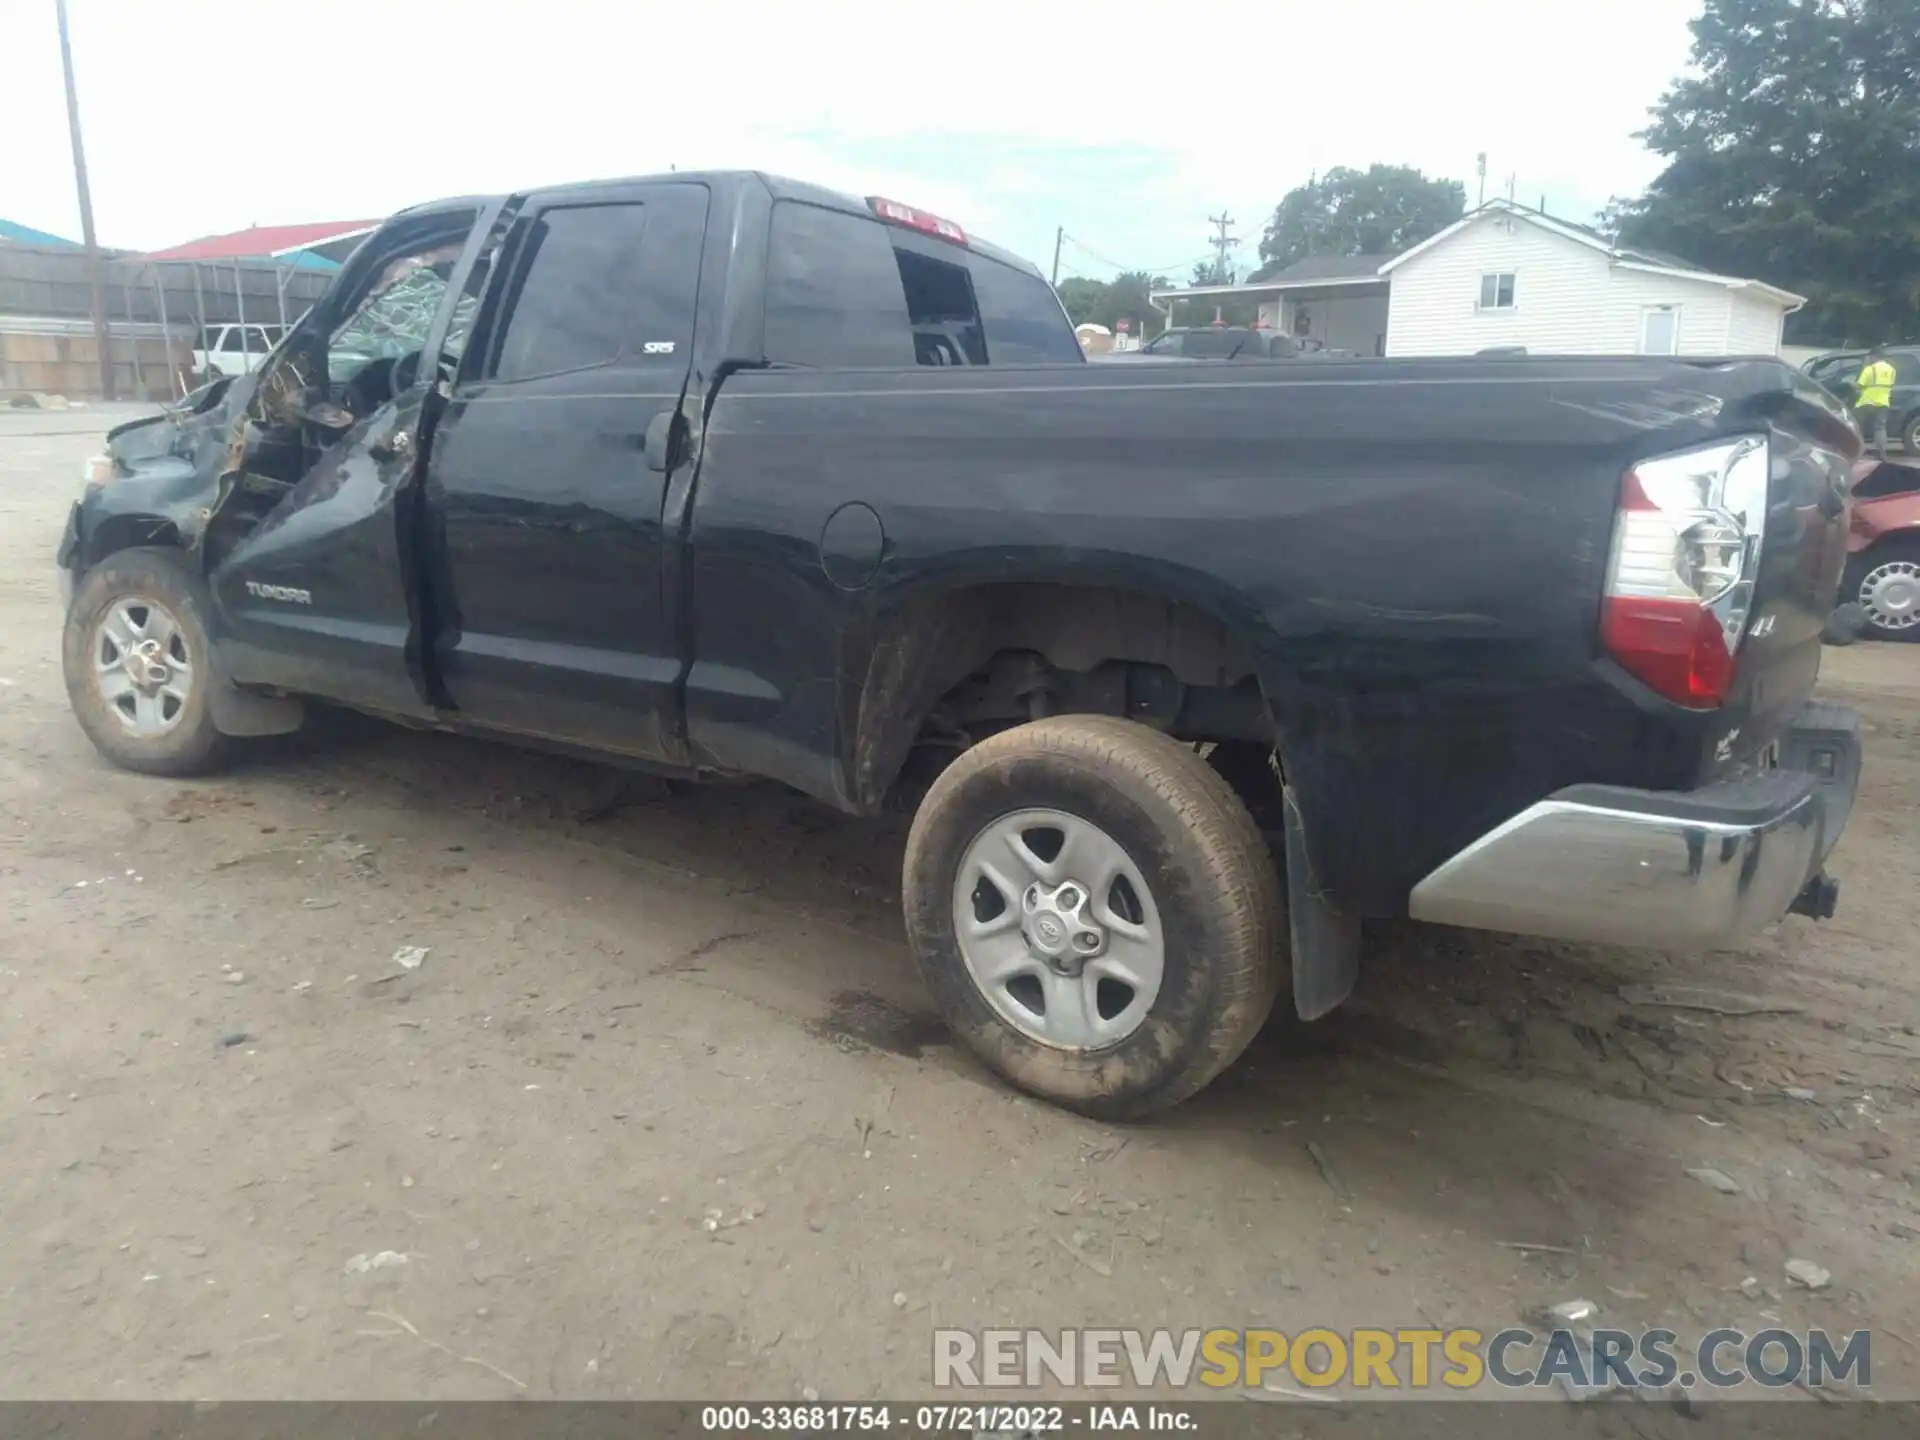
[{"x": 156, "y": 312}]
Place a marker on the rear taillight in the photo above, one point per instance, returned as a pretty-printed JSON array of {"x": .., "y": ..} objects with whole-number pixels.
[{"x": 1686, "y": 549}]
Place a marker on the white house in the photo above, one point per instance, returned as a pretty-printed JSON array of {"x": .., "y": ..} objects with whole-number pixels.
[
  {"x": 1509, "y": 276},
  {"x": 1505, "y": 276}
]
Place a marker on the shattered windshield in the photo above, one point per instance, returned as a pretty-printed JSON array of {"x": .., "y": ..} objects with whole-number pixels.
[{"x": 394, "y": 318}]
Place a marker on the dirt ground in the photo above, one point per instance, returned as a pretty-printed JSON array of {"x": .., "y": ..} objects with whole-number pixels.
[{"x": 222, "y": 1101}]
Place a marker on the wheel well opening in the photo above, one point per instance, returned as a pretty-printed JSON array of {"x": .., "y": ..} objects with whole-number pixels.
[{"x": 954, "y": 669}]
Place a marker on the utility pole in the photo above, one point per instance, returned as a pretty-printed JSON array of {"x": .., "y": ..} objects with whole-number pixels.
[
  {"x": 1481, "y": 165},
  {"x": 96, "y": 268},
  {"x": 1222, "y": 243},
  {"x": 1059, "y": 234}
]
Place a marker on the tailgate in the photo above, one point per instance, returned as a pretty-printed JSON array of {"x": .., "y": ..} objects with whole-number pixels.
[{"x": 1802, "y": 552}]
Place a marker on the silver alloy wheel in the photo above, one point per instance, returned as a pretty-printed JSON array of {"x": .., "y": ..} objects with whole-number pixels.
[
  {"x": 1058, "y": 929},
  {"x": 1891, "y": 594},
  {"x": 141, "y": 665}
]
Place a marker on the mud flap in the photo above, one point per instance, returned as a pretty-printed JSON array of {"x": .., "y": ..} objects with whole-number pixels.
[
  {"x": 242, "y": 713},
  {"x": 1326, "y": 942}
]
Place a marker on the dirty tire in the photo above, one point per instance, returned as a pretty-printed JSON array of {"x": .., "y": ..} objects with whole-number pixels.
[
  {"x": 192, "y": 746},
  {"x": 1214, "y": 884}
]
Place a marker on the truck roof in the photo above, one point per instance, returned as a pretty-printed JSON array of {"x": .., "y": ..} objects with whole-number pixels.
[{"x": 779, "y": 187}]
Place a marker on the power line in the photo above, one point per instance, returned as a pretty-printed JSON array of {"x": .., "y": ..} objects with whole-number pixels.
[
  {"x": 1093, "y": 254},
  {"x": 1088, "y": 250}
]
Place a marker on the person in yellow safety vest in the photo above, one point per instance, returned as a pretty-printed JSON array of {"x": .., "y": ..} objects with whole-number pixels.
[{"x": 1875, "y": 384}]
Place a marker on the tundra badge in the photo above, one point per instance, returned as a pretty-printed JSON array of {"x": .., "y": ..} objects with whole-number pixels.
[{"x": 280, "y": 592}]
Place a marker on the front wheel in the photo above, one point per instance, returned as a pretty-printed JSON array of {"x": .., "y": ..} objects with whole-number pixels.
[
  {"x": 1096, "y": 913},
  {"x": 1885, "y": 583},
  {"x": 138, "y": 666}
]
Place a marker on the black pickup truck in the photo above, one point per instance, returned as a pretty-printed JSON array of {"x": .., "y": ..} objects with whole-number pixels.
[{"x": 1185, "y": 672}]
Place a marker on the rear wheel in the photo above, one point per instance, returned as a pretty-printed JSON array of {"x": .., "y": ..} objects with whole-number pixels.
[
  {"x": 138, "y": 667},
  {"x": 1885, "y": 583},
  {"x": 1910, "y": 433},
  {"x": 1095, "y": 912}
]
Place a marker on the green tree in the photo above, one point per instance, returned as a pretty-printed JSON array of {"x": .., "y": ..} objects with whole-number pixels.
[
  {"x": 1108, "y": 302},
  {"x": 1083, "y": 299},
  {"x": 1127, "y": 300},
  {"x": 1793, "y": 156},
  {"x": 1381, "y": 210}
]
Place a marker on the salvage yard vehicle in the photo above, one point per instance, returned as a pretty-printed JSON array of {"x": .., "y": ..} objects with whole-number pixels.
[
  {"x": 1185, "y": 672},
  {"x": 1838, "y": 370},
  {"x": 1882, "y": 580}
]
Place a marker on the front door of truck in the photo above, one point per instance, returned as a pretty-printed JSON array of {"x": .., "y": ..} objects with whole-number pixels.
[
  {"x": 549, "y": 470},
  {"x": 312, "y": 545}
]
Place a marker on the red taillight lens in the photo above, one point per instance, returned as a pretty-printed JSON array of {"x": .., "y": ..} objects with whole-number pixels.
[
  {"x": 1686, "y": 547},
  {"x": 894, "y": 213},
  {"x": 1676, "y": 646}
]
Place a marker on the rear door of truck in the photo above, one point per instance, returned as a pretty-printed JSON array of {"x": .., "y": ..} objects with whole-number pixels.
[{"x": 550, "y": 466}]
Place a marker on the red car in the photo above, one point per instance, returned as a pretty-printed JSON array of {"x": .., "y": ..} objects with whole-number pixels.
[{"x": 1883, "y": 549}]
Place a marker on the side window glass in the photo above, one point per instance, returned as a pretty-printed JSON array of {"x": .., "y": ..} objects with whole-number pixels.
[
  {"x": 230, "y": 340},
  {"x": 1022, "y": 319},
  {"x": 594, "y": 284},
  {"x": 557, "y": 317},
  {"x": 834, "y": 297}
]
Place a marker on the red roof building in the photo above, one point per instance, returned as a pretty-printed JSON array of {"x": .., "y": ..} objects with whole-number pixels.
[{"x": 329, "y": 239}]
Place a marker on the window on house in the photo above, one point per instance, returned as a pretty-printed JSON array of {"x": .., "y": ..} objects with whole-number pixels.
[
  {"x": 1660, "y": 330},
  {"x": 1496, "y": 291}
]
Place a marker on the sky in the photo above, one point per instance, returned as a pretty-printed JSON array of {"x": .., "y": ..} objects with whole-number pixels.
[{"x": 1125, "y": 124}]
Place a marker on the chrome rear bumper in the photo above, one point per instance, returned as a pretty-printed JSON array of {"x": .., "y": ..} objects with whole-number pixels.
[{"x": 1698, "y": 869}]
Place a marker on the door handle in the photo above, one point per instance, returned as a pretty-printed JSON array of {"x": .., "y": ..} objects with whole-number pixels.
[{"x": 658, "y": 439}]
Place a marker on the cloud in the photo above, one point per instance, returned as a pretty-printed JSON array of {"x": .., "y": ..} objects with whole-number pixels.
[{"x": 1126, "y": 123}]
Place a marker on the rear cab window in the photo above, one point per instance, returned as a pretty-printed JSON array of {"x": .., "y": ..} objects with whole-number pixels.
[{"x": 847, "y": 291}]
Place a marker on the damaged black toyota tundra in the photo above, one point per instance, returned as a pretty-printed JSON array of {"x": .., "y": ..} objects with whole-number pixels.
[{"x": 1186, "y": 672}]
